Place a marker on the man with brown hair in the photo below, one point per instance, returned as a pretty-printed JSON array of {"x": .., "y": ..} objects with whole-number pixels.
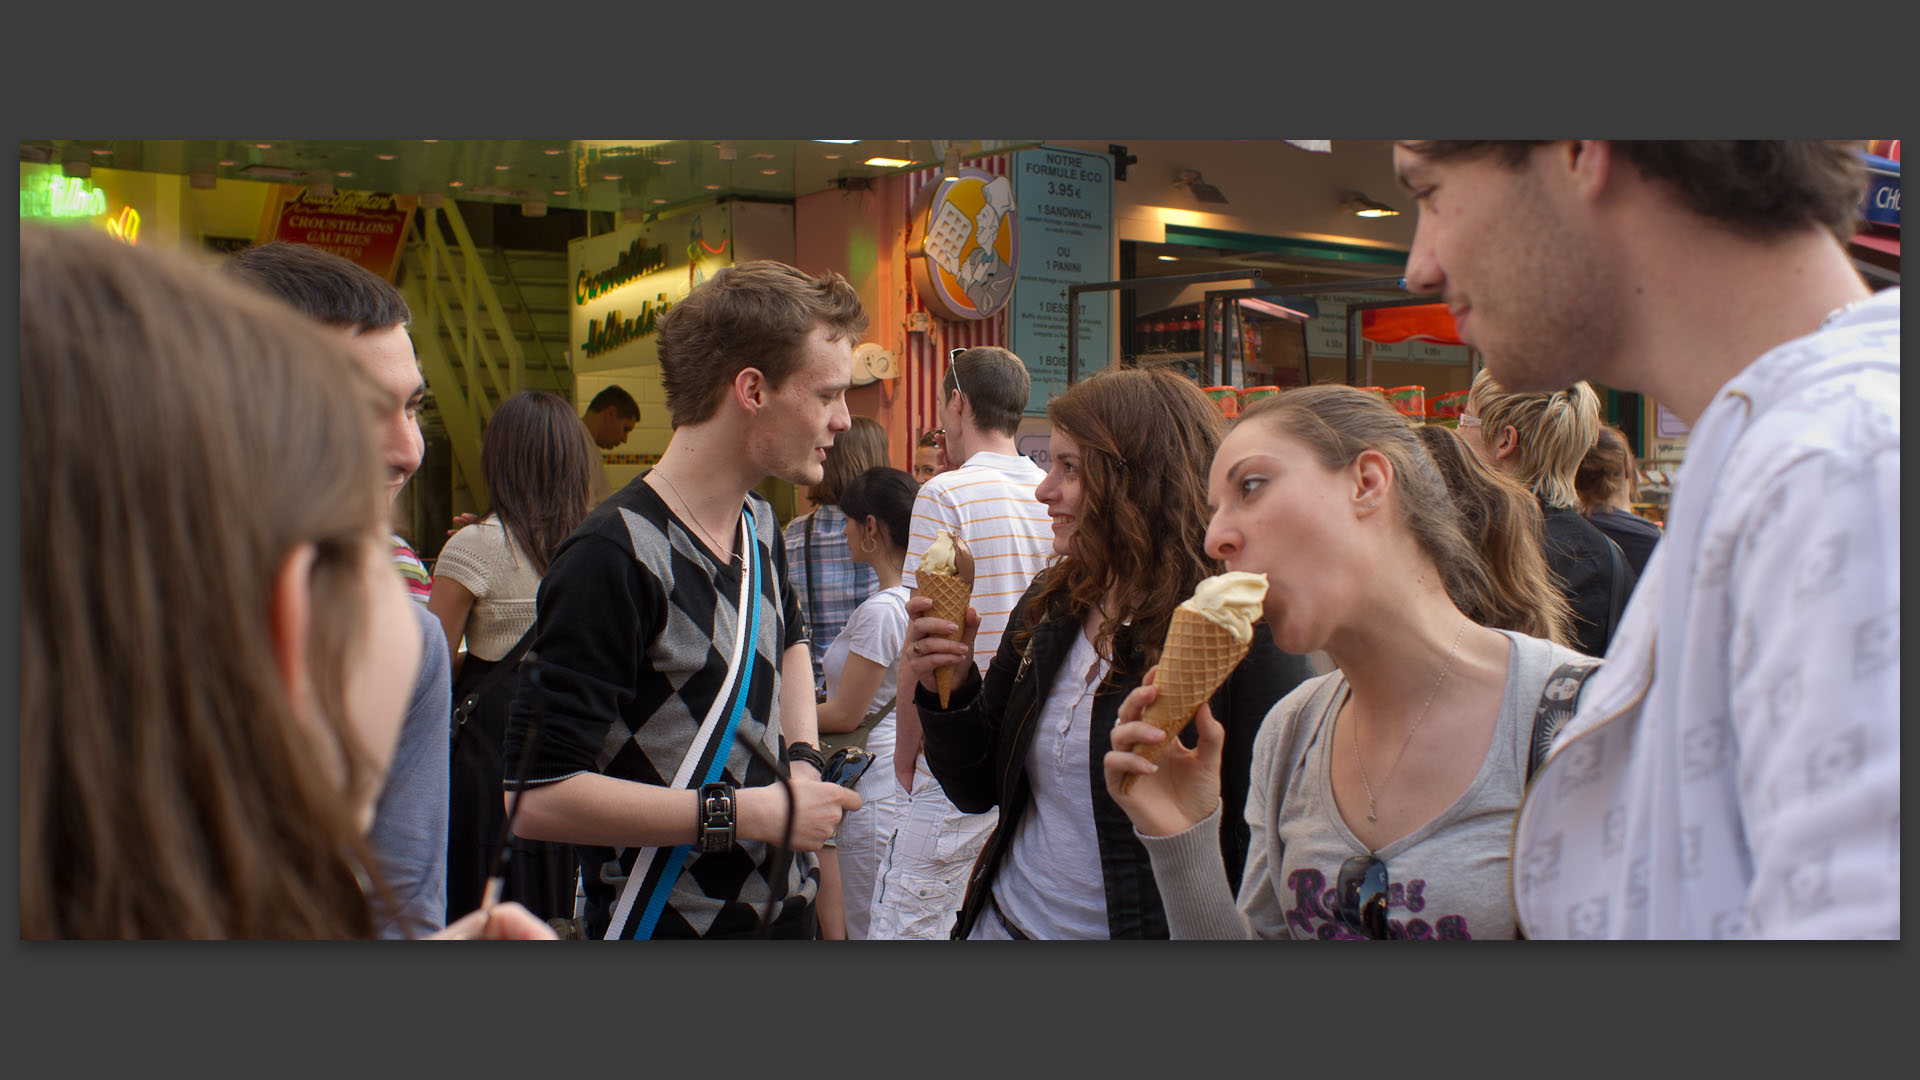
[
  {"x": 1733, "y": 769},
  {"x": 409, "y": 834},
  {"x": 668, "y": 637}
]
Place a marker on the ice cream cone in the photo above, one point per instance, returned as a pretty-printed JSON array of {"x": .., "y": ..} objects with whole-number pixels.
[
  {"x": 1197, "y": 657},
  {"x": 950, "y": 597}
]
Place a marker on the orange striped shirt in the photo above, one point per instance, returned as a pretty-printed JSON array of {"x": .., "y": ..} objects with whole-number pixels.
[{"x": 989, "y": 503}]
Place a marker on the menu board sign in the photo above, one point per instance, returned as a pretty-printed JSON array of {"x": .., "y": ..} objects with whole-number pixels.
[
  {"x": 366, "y": 227},
  {"x": 1064, "y": 199}
]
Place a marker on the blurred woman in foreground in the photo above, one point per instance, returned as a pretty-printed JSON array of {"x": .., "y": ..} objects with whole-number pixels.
[{"x": 215, "y": 649}]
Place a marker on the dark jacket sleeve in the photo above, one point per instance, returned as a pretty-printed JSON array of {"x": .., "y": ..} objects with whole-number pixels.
[
  {"x": 1241, "y": 705},
  {"x": 960, "y": 742},
  {"x": 596, "y": 616}
]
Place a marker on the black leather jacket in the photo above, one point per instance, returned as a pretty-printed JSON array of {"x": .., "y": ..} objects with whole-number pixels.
[{"x": 978, "y": 752}]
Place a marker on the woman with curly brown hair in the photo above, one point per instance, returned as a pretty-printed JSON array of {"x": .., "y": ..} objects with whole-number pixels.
[{"x": 1126, "y": 491}]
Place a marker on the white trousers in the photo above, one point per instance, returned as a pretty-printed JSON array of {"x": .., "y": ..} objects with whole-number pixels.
[{"x": 924, "y": 862}]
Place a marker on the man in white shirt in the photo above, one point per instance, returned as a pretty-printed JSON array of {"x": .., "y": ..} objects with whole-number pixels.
[
  {"x": 1733, "y": 768},
  {"x": 987, "y": 500}
]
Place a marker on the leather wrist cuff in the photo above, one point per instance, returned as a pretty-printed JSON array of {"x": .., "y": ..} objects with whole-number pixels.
[
  {"x": 717, "y": 812},
  {"x": 808, "y": 753}
]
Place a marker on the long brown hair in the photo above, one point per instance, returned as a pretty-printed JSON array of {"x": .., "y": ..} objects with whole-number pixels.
[
  {"x": 180, "y": 436},
  {"x": 1606, "y": 471},
  {"x": 861, "y": 447},
  {"x": 1503, "y": 519},
  {"x": 1146, "y": 437},
  {"x": 541, "y": 469},
  {"x": 1339, "y": 423}
]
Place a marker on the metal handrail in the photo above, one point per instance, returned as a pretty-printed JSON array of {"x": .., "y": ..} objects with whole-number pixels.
[{"x": 546, "y": 361}]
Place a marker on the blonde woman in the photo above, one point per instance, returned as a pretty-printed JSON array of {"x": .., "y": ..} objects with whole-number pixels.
[{"x": 1539, "y": 440}]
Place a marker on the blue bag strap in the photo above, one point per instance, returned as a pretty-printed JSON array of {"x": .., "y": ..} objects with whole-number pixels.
[{"x": 653, "y": 878}]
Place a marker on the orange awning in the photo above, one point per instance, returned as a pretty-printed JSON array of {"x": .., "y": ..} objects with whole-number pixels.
[{"x": 1424, "y": 322}]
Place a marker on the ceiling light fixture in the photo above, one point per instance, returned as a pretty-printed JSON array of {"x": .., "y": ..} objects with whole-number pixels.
[
  {"x": 762, "y": 155},
  {"x": 228, "y": 163},
  {"x": 1353, "y": 202},
  {"x": 666, "y": 161},
  {"x": 552, "y": 151},
  {"x": 610, "y": 176},
  {"x": 1168, "y": 258},
  {"x": 831, "y": 157},
  {"x": 559, "y": 191},
  {"x": 768, "y": 172},
  {"x": 501, "y": 168},
  {"x": 345, "y": 174},
  {"x": 456, "y": 183},
  {"x": 657, "y": 202},
  {"x": 103, "y": 151},
  {"x": 384, "y": 157},
  {"x": 263, "y": 146},
  {"x": 711, "y": 187},
  {"x": 429, "y": 140},
  {"x": 950, "y": 166},
  {"x": 838, "y": 142},
  {"x": 887, "y": 162}
]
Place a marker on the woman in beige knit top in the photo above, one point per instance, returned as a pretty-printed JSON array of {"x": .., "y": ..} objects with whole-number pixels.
[{"x": 542, "y": 478}]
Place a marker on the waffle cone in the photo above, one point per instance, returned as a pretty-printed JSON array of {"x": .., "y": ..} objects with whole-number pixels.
[
  {"x": 950, "y": 596},
  {"x": 1196, "y": 658}
]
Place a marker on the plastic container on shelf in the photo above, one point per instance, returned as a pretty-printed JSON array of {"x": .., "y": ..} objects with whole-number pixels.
[
  {"x": 1450, "y": 404},
  {"x": 1224, "y": 398},
  {"x": 1409, "y": 400}
]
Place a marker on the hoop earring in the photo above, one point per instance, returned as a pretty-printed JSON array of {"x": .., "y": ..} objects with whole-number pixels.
[{"x": 866, "y": 548}]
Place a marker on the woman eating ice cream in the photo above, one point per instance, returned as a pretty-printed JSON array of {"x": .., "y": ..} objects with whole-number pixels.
[
  {"x": 1126, "y": 491},
  {"x": 1383, "y": 793}
]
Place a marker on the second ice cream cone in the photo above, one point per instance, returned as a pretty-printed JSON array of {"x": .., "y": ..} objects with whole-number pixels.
[
  {"x": 1198, "y": 656},
  {"x": 950, "y": 597}
]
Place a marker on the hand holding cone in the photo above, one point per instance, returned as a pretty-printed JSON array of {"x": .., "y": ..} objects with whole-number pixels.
[
  {"x": 1209, "y": 636},
  {"x": 946, "y": 577}
]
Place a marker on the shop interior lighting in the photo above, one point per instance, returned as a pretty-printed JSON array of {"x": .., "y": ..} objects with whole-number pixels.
[
  {"x": 384, "y": 157},
  {"x": 429, "y": 140},
  {"x": 273, "y": 172},
  {"x": 501, "y": 168},
  {"x": 838, "y": 142},
  {"x": 711, "y": 187},
  {"x": 345, "y": 174},
  {"x": 769, "y": 172},
  {"x": 887, "y": 162},
  {"x": 762, "y": 155},
  {"x": 1278, "y": 311},
  {"x": 657, "y": 202},
  {"x": 610, "y": 176},
  {"x": 103, "y": 151},
  {"x": 456, "y": 183},
  {"x": 666, "y": 161},
  {"x": 950, "y": 166},
  {"x": 1168, "y": 258},
  {"x": 552, "y": 151},
  {"x": 1353, "y": 202},
  {"x": 263, "y": 146},
  {"x": 831, "y": 157},
  {"x": 228, "y": 163},
  {"x": 559, "y": 191}
]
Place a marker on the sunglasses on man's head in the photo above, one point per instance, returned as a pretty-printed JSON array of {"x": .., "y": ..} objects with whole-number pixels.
[
  {"x": 953, "y": 370},
  {"x": 1361, "y": 896}
]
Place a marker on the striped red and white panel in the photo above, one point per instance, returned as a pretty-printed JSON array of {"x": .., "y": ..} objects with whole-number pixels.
[{"x": 926, "y": 360}]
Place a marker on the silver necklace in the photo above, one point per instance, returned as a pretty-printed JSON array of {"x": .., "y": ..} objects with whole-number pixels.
[
  {"x": 1358, "y": 758},
  {"x": 732, "y": 556}
]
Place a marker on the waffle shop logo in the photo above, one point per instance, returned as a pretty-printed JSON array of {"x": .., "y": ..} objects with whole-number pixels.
[
  {"x": 638, "y": 259},
  {"x": 612, "y": 332}
]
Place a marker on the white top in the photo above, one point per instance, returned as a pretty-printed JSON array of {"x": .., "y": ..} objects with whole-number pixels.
[
  {"x": 876, "y": 631},
  {"x": 1733, "y": 770},
  {"x": 500, "y": 575},
  {"x": 989, "y": 502},
  {"x": 1051, "y": 886}
]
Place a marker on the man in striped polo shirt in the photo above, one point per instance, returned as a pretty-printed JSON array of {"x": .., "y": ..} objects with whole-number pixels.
[{"x": 987, "y": 500}]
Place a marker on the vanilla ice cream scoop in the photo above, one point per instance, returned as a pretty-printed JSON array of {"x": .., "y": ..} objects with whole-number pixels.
[
  {"x": 1231, "y": 599},
  {"x": 948, "y": 554}
]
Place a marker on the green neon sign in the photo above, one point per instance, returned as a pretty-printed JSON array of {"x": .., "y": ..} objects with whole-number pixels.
[{"x": 62, "y": 197}]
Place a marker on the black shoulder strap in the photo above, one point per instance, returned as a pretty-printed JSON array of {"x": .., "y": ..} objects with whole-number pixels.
[
  {"x": 463, "y": 709},
  {"x": 1617, "y": 596},
  {"x": 1557, "y": 701},
  {"x": 813, "y": 595}
]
